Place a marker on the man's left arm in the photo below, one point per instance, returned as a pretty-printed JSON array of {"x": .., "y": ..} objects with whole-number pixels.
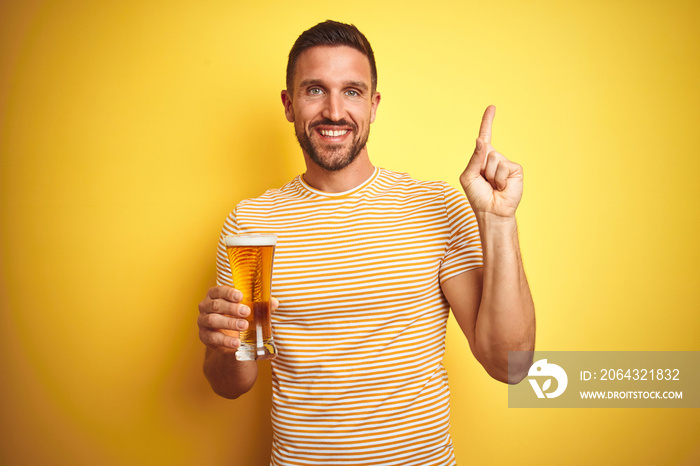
[{"x": 493, "y": 305}]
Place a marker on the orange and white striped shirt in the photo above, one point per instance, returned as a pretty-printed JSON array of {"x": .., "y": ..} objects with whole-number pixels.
[{"x": 360, "y": 329}]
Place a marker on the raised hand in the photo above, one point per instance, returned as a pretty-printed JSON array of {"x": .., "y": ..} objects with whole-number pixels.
[{"x": 493, "y": 184}]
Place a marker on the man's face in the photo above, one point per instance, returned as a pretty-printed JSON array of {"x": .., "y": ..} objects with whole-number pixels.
[{"x": 331, "y": 104}]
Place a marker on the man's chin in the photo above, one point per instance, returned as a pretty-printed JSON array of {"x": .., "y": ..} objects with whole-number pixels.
[
  {"x": 330, "y": 156},
  {"x": 332, "y": 164},
  {"x": 333, "y": 160}
]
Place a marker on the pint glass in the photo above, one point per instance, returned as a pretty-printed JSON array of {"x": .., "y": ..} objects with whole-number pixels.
[{"x": 251, "y": 257}]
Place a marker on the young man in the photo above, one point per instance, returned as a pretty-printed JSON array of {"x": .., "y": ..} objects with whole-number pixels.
[{"x": 367, "y": 266}]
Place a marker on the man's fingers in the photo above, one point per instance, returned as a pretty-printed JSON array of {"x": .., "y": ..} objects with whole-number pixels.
[
  {"x": 217, "y": 330},
  {"x": 477, "y": 162},
  {"x": 224, "y": 300},
  {"x": 222, "y": 306},
  {"x": 501, "y": 176},
  {"x": 214, "y": 339},
  {"x": 230, "y": 309},
  {"x": 219, "y": 321},
  {"x": 486, "y": 124},
  {"x": 499, "y": 169},
  {"x": 492, "y": 163},
  {"x": 222, "y": 316},
  {"x": 225, "y": 292}
]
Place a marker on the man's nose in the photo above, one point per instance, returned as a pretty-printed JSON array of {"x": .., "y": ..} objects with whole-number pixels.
[{"x": 334, "y": 108}]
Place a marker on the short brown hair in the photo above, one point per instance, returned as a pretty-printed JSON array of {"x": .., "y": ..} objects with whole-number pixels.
[{"x": 332, "y": 34}]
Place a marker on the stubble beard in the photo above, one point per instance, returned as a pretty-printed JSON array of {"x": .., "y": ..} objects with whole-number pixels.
[{"x": 332, "y": 157}]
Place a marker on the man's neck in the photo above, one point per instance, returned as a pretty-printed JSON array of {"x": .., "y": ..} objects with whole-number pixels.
[{"x": 339, "y": 181}]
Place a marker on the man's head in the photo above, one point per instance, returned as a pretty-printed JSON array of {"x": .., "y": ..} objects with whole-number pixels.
[
  {"x": 331, "y": 94},
  {"x": 332, "y": 34}
]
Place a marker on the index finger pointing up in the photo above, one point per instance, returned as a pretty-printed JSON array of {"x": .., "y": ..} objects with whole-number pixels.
[{"x": 486, "y": 122}]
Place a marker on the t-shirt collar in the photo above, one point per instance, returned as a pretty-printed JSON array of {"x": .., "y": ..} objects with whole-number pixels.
[{"x": 343, "y": 194}]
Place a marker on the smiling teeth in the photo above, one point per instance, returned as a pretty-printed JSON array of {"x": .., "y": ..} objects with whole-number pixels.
[{"x": 330, "y": 133}]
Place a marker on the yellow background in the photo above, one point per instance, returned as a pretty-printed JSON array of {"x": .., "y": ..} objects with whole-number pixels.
[{"x": 129, "y": 129}]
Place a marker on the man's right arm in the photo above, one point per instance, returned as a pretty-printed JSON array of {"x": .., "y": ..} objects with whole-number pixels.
[{"x": 221, "y": 310}]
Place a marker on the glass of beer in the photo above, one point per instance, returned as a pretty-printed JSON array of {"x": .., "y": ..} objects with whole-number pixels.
[{"x": 251, "y": 257}]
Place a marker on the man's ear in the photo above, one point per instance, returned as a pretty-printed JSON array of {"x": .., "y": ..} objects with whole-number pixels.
[
  {"x": 287, "y": 102},
  {"x": 376, "y": 97}
]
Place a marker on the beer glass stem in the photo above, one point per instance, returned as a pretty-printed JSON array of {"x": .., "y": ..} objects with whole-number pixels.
[{"x": 259, "y": 339}]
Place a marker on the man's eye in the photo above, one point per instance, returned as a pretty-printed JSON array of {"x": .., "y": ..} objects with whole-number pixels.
[
  {"x": 315, "y": 91},
  {"x": 352, "y": 93}
]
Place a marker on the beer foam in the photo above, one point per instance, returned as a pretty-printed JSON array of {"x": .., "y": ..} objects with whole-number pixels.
[{"x": 251, "y": 239}]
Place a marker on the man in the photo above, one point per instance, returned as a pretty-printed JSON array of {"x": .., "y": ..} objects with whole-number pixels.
[{"x": 367, "y": 266}]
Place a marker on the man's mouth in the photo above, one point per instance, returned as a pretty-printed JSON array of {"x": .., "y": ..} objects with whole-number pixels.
[{"x": 332, "y": 133}]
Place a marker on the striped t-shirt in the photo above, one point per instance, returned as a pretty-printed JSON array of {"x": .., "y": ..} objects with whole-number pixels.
[{"x": 360, "y": 329}]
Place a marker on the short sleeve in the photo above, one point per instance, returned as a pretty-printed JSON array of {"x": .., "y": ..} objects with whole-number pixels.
[
  {"x": 464, "y": 251},
  {"x": 223, "y": 267}
]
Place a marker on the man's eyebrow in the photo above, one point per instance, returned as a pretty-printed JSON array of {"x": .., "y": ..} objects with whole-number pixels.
[
  {"x": 309, "y": 82},
  {"x": 358, "y": 84},
  {"x": 315, "y": 82}
]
